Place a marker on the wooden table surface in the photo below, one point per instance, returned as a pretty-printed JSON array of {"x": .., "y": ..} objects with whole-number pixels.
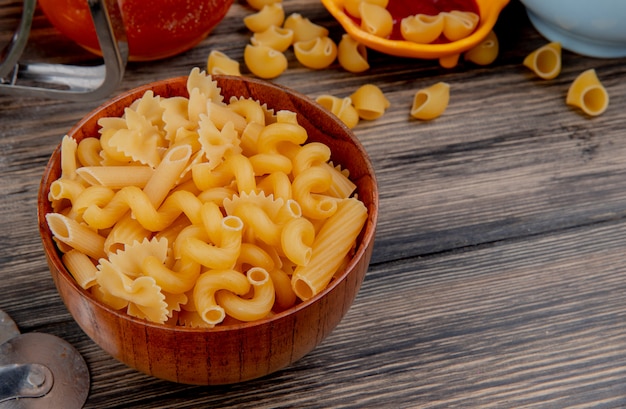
[{"x": 498, "y": 278}]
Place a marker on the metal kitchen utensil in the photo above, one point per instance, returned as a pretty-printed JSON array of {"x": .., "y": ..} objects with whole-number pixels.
[
  {"x": 62, "y": 81},
  {"x": 39, "y": 371}
]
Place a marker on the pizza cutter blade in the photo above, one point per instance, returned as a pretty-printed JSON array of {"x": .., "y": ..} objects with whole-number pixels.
[{"x": 41, "y": 371}]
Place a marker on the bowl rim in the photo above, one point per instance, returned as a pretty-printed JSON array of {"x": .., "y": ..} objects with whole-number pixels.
[
  {"x": 489, "y": 11},
  {"x": 365, "y": 240}
]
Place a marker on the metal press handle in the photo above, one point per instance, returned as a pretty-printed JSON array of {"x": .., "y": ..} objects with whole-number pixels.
[
  {"x": 18, "y": 381},
  {"x": 83, "y": 83}
]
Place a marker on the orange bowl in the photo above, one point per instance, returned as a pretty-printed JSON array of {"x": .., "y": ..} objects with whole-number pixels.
[
  {"x": 236, "y": 352},
  {"x": 447, "y": 53}
]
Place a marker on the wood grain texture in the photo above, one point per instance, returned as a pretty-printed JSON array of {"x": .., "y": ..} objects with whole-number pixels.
[{"x": 498, "y": 274}]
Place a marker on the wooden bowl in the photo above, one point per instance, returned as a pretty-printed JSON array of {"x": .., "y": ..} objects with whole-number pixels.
[
  {"x": 446, "y": 53},
  {"x": 238, "y": 352}
]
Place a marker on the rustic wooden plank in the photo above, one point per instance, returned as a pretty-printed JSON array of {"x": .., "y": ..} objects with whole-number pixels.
[{"x": 514, "y": 324}]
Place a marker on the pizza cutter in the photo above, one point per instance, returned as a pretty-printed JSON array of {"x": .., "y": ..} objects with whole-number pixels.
[{"x": 39, "y": 371}]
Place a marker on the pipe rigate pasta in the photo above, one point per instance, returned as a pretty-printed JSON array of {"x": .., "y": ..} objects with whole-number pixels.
[
  {"x": 545, "y": 61},
  {"x": 275, "y": 37},
  {"x": 486, "y": 52},
  {"x": 214, "y": 230},
  {"x": 352, "y": 55},
  {"x": 422, "y": 28},
  {"x": 270, "y": 15},
  {"x": 369, "y": 101},
  {"x": 259, "y": 4},
  {"x": 376, "y": 20},
  {"x": 341, "y": 107},
  {"x": 431, "y": 102},
  {"x": 459, "y": 24},
  {"x": 317, "y": 53},
  {"x": 587, "y": 93},
  {"x": 219, "y": 63},
  {"x": 264, "y": 62},
  {"x": 352, "y": 6},
  {"x": 303, "y": 28}
]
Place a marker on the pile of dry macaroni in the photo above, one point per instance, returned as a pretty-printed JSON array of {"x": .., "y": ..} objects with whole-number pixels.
[{"x": 196, "y": 211}]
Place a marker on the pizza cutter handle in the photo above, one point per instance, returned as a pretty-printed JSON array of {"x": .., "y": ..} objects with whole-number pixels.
[{"x": 19, "y": 381}]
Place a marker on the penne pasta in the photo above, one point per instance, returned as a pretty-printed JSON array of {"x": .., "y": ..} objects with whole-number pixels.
[
  {"x": 116, "y": 177},
  {"x": 329, "y": 249},
  {"x": 81, "y": 267},
  {"x": 77, "y": 236}
]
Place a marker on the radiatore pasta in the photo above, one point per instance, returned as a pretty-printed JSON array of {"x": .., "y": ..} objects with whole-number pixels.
[{"x": 220, "y": 224}]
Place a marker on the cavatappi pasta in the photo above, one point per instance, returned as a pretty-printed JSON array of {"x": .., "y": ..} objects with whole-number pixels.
[{"x": 231, "y": 220}]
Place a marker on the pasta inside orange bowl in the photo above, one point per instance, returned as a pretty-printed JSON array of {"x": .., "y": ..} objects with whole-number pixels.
[
  {"x": 447, "y": 52},
  {"x": 246, "y": 215}
]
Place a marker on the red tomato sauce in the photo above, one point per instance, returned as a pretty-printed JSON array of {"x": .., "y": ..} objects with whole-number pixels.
[{"x": 400, "y": 9}]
